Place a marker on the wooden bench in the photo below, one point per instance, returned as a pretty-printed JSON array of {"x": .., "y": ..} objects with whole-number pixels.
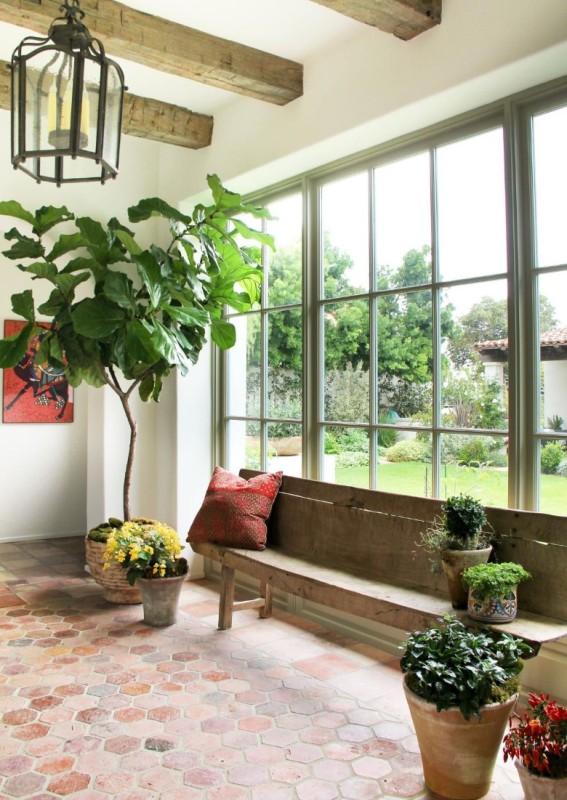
[{"x": 357, "y": 550}]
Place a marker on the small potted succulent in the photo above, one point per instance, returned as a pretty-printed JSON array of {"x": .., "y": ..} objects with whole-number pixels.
[
  {"x": 461, "y": 686},
  {"x": 538, "y": 745},
  {"x": 457, "y": 539},
  {"x": 493, "y": 590}
]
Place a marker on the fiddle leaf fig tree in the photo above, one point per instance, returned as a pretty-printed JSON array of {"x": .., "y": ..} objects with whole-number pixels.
[{"x": 142, "y": 312}]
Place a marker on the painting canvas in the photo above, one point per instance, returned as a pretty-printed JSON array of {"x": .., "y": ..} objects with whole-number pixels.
[{"x": 34, "y": 392}]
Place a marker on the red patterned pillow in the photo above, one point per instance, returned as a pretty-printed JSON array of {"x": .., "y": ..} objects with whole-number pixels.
[{"x": 234, "y": 511}]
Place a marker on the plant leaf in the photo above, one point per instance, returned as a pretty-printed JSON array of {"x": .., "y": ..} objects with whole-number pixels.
[
  {"x": 11, "y": 208},
  {"x": 155, "y": 207},
  {"x": 65, "y": 244},
  {"x": 119, "y": 288},
  {"x": 24, "y": 247},
  {"x": 223, "y": 333},
  {"x": 97, "y": 317},
  {"x": 47, "y": 217},
  {"x": 23, "y": 305},
  {"x": 128, "y": 241},
  {"x": 13, "y": 348}
]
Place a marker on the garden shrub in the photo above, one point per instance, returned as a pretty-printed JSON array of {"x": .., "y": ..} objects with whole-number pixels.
[
  {"x": 407, "y": 450},
  {"x": 350, "y": 460},
  {"x": 474, "y": 452},
  {"x": 552, "y": 455},
  {"x": 562, "y": 469}
]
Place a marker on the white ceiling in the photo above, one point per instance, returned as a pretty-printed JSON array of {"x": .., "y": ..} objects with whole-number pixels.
[{"x": 293, "y": 29}]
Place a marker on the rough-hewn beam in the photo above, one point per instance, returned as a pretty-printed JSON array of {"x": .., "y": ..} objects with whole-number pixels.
[
  {"x": 172, "y": 48},
  {"x": 404, "y": 18},
  {"x": 147, "y": 118}
]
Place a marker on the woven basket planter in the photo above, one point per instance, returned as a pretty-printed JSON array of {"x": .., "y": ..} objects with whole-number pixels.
[{"x": 115, "y": 586}]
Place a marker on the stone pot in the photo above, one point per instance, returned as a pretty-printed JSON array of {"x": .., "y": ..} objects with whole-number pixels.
[
  {"x": 115, "y": 586},
  {"x": 539, "y": 787},
  {"x": 494, "y": 609},
  {"x": 454, "y": 563},
  {"x": 160, "y": 597},
  {"x": 458, "y": 755}
]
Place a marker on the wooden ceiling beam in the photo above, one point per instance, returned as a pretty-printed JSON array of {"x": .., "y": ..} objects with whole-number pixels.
[
  {"x": 146, "y": 118},
  {"x": 173, "y": 48},
  {"x": 404, "y": 18}
]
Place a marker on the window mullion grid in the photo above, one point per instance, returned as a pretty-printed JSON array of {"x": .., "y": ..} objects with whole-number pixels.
[
  {"x": 264, "y": 364},
  {"x": 373, "y": 334},
  {"x": 436, "y": 333}
]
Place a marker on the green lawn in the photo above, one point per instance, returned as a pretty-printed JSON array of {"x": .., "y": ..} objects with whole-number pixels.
[{"x": 490, "y": 485}]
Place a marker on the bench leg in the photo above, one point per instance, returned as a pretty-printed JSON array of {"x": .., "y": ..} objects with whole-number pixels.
[
  {"x": 226, "y": 598},
  {"x": 266, "y": 593}
]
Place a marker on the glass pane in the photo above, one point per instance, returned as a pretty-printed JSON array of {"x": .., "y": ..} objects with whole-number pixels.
[
  {"x": 471, "y": 207},
  {"x": 285, "y": 449},
  {"x": 550, "y": 165},
  {"x": 285, "y": 345},
  {"x": 285, "y": 264},
  {"x": 553, "y": 350},
  {"x": 476, "y": 465},
  {"x": 243, "y": 445},
  {"x": 405, "y": 357},
  {"x": 474, "y": 325},
  {"x": 404, "y": 462},
  {"x": 347, "y": 348},
  {"x": 403, "y": 222},
  {"x": 553, "y": 476},
  {"x": 243, "y": 368},
  {"x": 344, "y": 213},
  {"x": 347, "y": 456}
]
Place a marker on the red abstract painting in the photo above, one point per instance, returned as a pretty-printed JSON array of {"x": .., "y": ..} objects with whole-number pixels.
[{"x": 35, "y": 392}]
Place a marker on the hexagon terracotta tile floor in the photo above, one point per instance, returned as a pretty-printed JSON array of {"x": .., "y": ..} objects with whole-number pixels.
[{"x": 96, "y": 705}]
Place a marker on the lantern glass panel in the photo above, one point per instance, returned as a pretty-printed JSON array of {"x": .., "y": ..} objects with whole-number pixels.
[{"x": 113, "y": 116}]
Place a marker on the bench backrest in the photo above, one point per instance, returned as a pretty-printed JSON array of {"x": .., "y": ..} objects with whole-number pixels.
[{"x": 378, "y": 533}]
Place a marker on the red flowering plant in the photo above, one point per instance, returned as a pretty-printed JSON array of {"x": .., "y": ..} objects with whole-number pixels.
[{"x": 539, "y": 741}]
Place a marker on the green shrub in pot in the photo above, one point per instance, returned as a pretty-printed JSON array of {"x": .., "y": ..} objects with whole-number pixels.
[
  {"x": 461, "y": 686},
  {"x": 493, "y": 590}
]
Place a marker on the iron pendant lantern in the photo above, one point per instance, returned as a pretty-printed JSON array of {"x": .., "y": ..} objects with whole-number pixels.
[{"x": 66, "y": 104}]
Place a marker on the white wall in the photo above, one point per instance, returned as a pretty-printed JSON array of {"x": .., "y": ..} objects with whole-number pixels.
[{"x": 45, "y": 468}]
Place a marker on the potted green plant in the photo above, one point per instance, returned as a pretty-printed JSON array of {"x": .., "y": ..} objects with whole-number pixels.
[
  {"x": 461, "y": 686},
  {"x": 538, "y": 745},
  {"x": 457, "y": 539},
  {"x": 142, "y": 312},
  {"x": 493, "y": 590},
  {"x": 150, "y": 554}
]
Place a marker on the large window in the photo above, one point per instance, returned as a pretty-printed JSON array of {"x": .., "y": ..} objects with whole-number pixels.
[{"x": 412, "y": 336}]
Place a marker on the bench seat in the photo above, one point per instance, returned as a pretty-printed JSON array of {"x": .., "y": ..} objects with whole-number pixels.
[{"x": 357, "y": 551}]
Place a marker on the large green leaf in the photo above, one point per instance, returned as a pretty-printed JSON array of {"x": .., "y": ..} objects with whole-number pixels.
[
  {"x": 222, "y": 197},
  {"x": 223, "y": 333},
  {"x": 11, "y": 208},
  {"x": 41, "y": 269},
  {"x": 23, "y": 305},
  {"x": 146, "y": 388},
  {"x": 80, "y": 263},
  {"x": 97, "y": 317},
  {"x": 54, "y": 304},
  {"x": 129, "y": 242},
  {"x": 142, "y": 341},
  {"x": 47, "y": 217},
  {"x": 150, "y": 273},
  {"x": 67, "y": 283},
  {"x": 119, "y": 288},
  {"x": 188, "y": 316},
  {"x": 250, "y": 233},
  {"x": 95, "y": 237},
  {"x": 24, "y": 247},
  {"x": 65, "y": 244},
  {"x": 13, "y": 348},
  {"x": 155, "y": 207}
]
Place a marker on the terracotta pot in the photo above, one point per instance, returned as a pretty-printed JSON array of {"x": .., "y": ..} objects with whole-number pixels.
[
  {"x": 493, "y": 609},
  {"x": 458, "y": 755},
  {"x": 115, "y": 586},
  {"x": 454, "y": 563},
  {"x": 160, "y": 597},
  {"x": 538, "y": 787}
]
